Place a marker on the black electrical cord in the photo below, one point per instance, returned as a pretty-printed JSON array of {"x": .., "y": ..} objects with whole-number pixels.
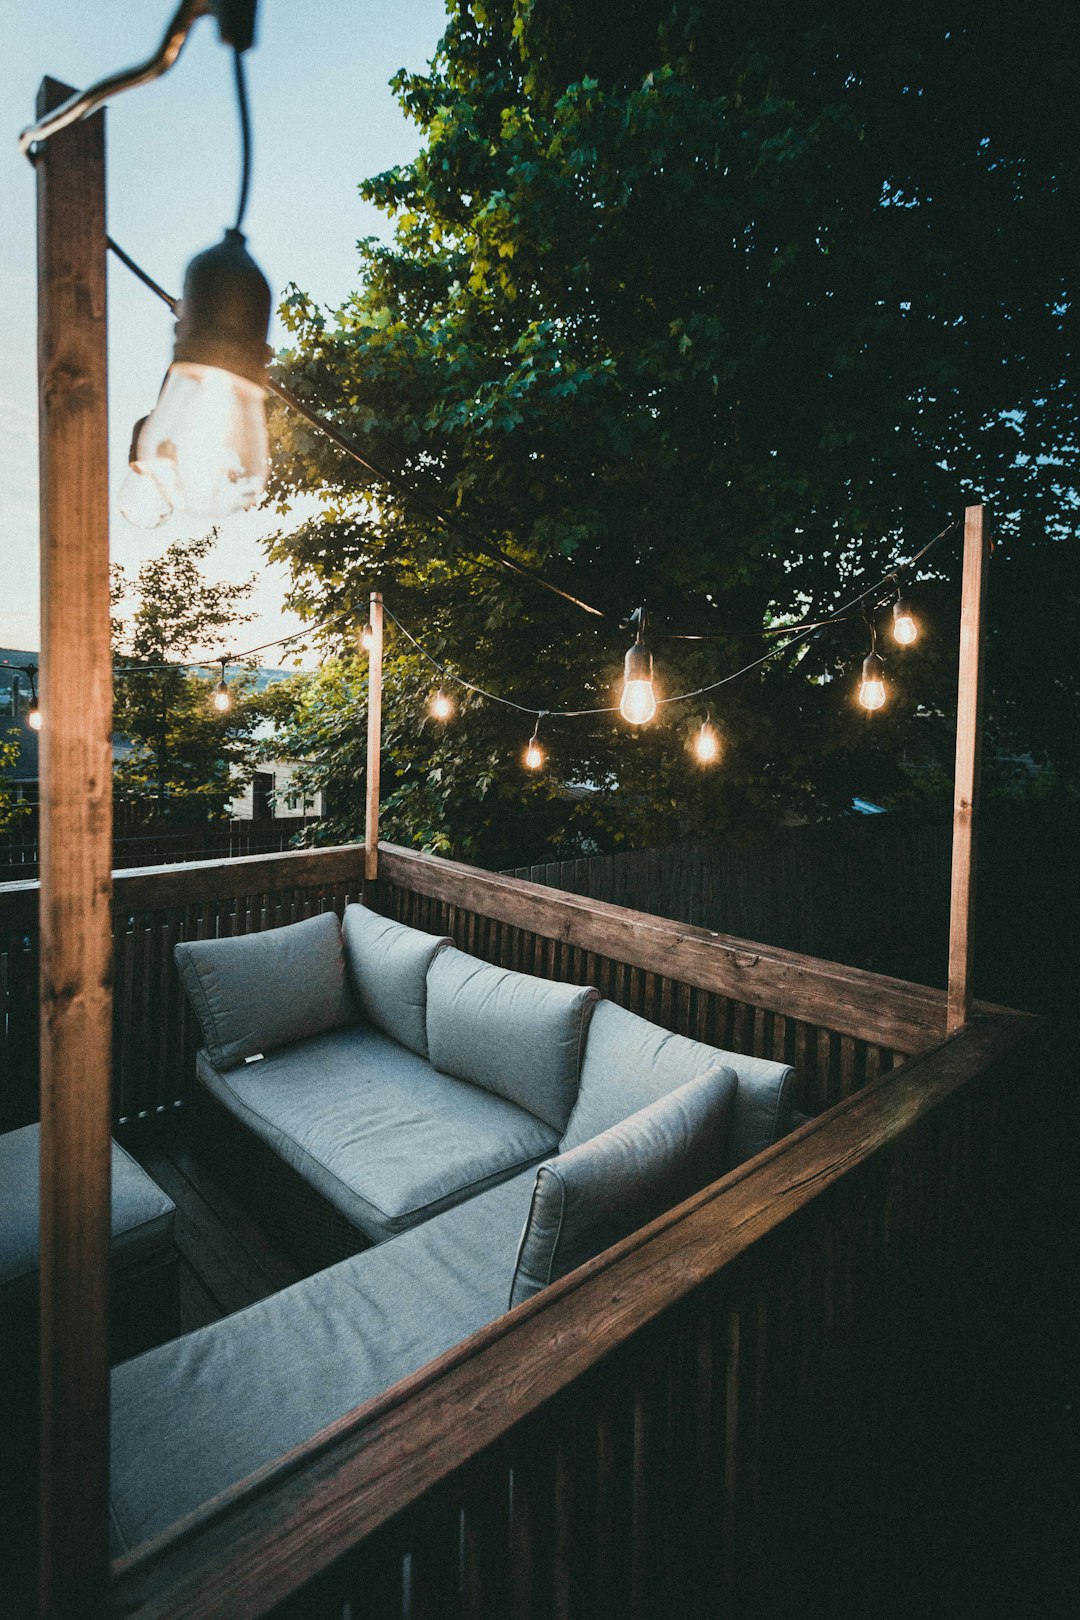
[{"x": 245, "y": 137}]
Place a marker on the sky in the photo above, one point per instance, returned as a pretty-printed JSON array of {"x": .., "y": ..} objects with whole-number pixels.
[{"x": 323, "y": 117}]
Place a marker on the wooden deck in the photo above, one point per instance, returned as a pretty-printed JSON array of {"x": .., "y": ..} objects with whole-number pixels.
[
  {"x": 833, "y": 1372},
  {"x": 227, "y": 1262}
]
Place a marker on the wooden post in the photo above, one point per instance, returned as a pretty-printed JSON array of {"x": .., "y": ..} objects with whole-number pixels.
[
  {"x": 374, "y": 741},
  {"x": 968, "y": 752},
  {"x": 76, "y": 865}
]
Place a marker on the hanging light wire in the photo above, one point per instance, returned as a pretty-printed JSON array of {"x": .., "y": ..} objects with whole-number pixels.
[
  {"x": 245, "y": 136},
  {"x": 487, "y": 548},
  {"x": 795, "y": 633}
]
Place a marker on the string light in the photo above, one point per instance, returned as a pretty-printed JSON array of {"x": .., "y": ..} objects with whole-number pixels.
[
  {"x": 33, "y": 710},
  {"x": 638, "y": 701},
  {"x": 209, "y": 424},
  {"x": 440, "y": 706},
  {"x": 872, "y": 684},
  {"x": 905, "y": 626},
  {"x": 367, "y": 637},
  {"x": 221, "y": 696},
  {"x": 534, "y": 755},
  {"x": 707, "y": 743},
  {"x": 482, "y": 543}
]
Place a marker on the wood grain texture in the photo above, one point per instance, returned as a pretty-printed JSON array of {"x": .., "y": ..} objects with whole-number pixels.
[
  {"x": 969, "y": 706},
  {"x": 890, "y": 1012},
  {"x": 374, "y": 739},
  {"x": 295, "y": 1520},
  {"x": 76, "y": 862}
]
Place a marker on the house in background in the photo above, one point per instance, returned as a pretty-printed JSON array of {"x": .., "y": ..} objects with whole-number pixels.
[
  {"x": 266, "y": 817},
  {"x": 272, "y": 795}
]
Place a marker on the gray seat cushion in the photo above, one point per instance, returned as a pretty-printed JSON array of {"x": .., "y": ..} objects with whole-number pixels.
[
  {"x": 596, "y": 1194},
  {"x": 515, "y": 1035},
  {"x": 388, "y": 966},
  {"x": 200, "y": 1414},
  {"x": 142, "y": 1215},
  {"x": 256, "y": 992},
  {"x": 629, "y": 1062},
  {"x": 375, "y": 1131}
]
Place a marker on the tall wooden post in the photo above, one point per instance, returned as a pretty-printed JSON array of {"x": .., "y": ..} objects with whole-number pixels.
[
  {"x": 374, "y": 741},
  {"x": 76, "y": 865},
  {"x": 968, "y": 754}
]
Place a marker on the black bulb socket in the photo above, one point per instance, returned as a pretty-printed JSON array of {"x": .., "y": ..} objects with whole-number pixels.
[
  {"x": 224, "y": 314},
  {"x": 639, "y": 663},
  {"x": 873, "y": 668}
]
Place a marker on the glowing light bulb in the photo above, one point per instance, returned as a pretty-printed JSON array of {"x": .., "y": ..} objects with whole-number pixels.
[
  {"x": 221, "y": 697},
  {"x": 367, "y": 638},
  {"x": 637, "y": 703},
  {"x": 905, "y": 626},
  {"x": 707, "y": 744},
  {"x": 872, "y": 685},
  {"x": 441, "y": 706},
  {"x": 208, "y": 430},
  {"x": 33, "y": 715},
  {"x": 534, "y": 755}
]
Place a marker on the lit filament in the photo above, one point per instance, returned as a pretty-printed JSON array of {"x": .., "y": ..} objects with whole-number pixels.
[{"x": 707, "y": 744}]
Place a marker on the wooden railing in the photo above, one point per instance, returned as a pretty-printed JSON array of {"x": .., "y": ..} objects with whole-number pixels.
[
  {"x": 686, "y": 1427},
  {"x": 155, "y": 1036},
  {"x": 840, "y": 1027},
  {"x": 672, "y": 1428}
]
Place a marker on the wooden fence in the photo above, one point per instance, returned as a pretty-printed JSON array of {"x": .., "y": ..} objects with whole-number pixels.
[
  {"x": 691, "y": 1425},
  {"x": 840, "y": 1027},
  {"x": 689, "y": 1422},
  {"x": 155, "y": 1035},
  {"x": 892, "y": 872},
  {"x": 163, "y": 844}
]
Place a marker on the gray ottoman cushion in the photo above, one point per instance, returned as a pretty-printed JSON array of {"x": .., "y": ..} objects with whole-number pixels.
[
  {"x": 200, "y": 1414},
  {"x": 388, "y": 967},
  {"x": 596, "y": 1194},
  {"x": 142, "y": 1215},
  {"x": 508, "y": 1032},
  {"x": 256, "y": 992},
  {"x": 376, "y": 1132}
]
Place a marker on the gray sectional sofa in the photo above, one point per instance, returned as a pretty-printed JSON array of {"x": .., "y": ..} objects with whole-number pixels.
[{"x": 485, "y": 1130}]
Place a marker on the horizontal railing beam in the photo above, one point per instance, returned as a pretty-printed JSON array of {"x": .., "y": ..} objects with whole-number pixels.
[
  {"x": 851, "y": 1001},
  {"x": 158, "y": 888},
  {"x": 284, "y": 1527}
]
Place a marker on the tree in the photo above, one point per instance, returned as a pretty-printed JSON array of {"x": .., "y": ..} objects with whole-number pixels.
[
  {"x": 722, "y": 309},
  {"x": 185, "y": 761},
  {"x": 10, "y": 807}
]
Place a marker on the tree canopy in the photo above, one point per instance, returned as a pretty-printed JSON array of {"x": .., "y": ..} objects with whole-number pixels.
[
  {"x": 724, "y": 309},
  {"x": 183, "y": 760}
]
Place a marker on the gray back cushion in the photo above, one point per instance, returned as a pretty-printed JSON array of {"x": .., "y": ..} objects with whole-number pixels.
[
  {"x": 260, "y": 991},
  {"x": 629, "y": 1062},
  {"x": 598, "y": 1193},
  {"x": 388, "y": 968},
  {"x": 508, "y": 1032}
]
